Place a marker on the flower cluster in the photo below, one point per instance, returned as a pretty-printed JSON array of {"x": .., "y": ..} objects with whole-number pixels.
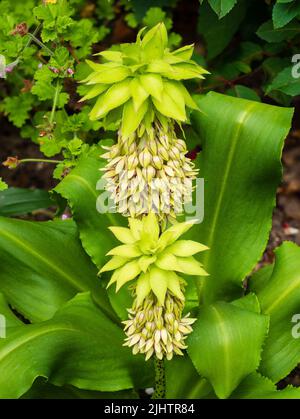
[
  {"x": 149, "y": 174},
  {"x": 156, "y": 329},
  {"x": 154, "y": 261},
  {"x": 139, "y": 89}
]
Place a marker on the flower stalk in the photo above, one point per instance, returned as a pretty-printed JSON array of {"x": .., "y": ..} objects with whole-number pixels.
[{"x": 160, "y": 379}]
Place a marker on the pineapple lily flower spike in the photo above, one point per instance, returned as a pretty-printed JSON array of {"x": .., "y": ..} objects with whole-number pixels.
[
  {"x": 149, "y": 177},
  {"x": 146, "y": 256}
]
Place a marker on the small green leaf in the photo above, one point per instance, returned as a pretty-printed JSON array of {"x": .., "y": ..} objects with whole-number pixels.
[
  {"x": 243, "y": 92},
  {"x": 283, "y": 13},
  {"x": 285, "y": 83},
  {"x": 222, "y": 7},
  {"x": 218, "y": 33},
  {"x": 267, "y": 32}
]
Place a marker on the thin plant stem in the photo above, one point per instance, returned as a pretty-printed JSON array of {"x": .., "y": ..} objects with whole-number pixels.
[
  {"x": 160, "y": 379},
  {"x": 40, "y": 161},
  {"x": 57, "y": 91},
  {"x": 39, "y": 43},
  {"x": 30, "y": 38}
]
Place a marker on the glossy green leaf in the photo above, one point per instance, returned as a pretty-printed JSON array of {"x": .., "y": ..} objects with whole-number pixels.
[
  {"x": 43, "y": 265},
  {"x": 190, "y": 385},
  {"x": 283, "y": 13},
  {"x": 218, "y": 33},
  {"x": 18, "y": 201},
  {"x": 279, "y": 297},
  {"x": 79, "y": 187},
  {"x": 285, "y": 82},
  {"x": 255, "y": 386},
  {"x": 79, "y": 346},
  {"x": 267, "y": 32},
  {"x": 243, "y": 92},
  {"x": 226, "y": 344},
  {"x": 41, "y": 389},
  {"x": 11, "y": 320},
  {"x": 222, "y": 7},
  {"x": 239, "y": 188}
]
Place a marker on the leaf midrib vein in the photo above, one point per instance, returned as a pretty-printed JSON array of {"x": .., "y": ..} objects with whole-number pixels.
[
  {"x": 34, "y": 253},
  {"x": 218, "y": 206},
  {"x": 15, "y": 345},
  {"x": 224, "y": 340}
]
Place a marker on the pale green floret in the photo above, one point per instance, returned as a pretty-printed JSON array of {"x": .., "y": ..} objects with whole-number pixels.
[
  {"x": 145, "y": 79},
  {"x": 153, "y": 258}
]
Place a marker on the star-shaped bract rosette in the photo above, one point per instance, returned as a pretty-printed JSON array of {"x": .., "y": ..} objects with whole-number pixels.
[
  {"x": 154, "y": 260},
  {"x": 143, "y": 80}
]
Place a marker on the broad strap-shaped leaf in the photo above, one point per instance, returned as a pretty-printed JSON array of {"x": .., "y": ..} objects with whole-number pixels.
[
  {"x": 79, "y": 188},
  {"x": 255, "y": 386},
  {"x": 79, "y": 346},
  {"x": 279, "y": 297},
  {"x": 226, "y": 344},
  {"x": 41, "y": 389},
  {"x": 240, "y": 163},
  {"x": 17, "y": 201},
  {"x": 43, "y": 265},
  {"x": 184, "y": 382},
  {"x": 10, "y": 320}
]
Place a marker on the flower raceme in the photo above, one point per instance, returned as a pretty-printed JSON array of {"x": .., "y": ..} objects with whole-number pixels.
[
  {"x": 155, "y": 329},
  {"x": 143, "y": 79},
  {"x": 149, "y": 174},
  {"x": 139, "y": 89},
  {"x": 153, "y": 259}
]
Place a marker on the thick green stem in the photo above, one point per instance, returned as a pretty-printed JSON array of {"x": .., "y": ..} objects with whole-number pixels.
[{"x": 160, "y": 379}]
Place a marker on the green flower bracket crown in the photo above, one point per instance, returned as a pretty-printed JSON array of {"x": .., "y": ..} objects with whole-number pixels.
[{"x": 143, "y": 80}]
